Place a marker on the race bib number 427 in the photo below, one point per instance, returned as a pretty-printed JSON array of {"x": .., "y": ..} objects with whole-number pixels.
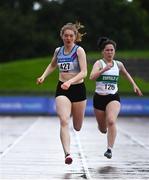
[{"x": 65, "y": 66}]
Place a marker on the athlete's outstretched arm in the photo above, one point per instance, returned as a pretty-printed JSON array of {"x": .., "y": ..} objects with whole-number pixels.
[
  {"x": 130, "y": 79},
  {"x": 50, "y": 68}
]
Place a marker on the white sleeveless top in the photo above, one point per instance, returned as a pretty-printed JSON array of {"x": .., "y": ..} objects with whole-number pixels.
[{"x": 106, "y": 83}]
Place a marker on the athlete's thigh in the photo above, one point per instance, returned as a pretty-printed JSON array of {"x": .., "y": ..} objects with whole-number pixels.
[
  {"x": 63, "y": 106},
  {"x": 78, "y": 110},
  {"x": 112, "y": 110},
  {"x": 100, "y": 117}
]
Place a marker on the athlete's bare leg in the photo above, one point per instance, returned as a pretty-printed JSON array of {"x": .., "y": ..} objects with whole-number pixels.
[
  {"x": 112, "y": 111},
  {"x": 100, "y": 117},
  {"x": 63, "y": 107},
  {"x": 78, "y": 110}
]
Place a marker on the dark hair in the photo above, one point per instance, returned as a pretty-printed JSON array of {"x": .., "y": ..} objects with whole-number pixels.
[{"x": 103, "y": 41}]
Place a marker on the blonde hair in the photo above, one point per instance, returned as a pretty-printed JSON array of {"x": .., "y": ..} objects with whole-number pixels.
[{"x": 75, "y": 28}]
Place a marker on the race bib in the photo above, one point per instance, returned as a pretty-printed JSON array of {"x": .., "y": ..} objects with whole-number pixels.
[
  {"x": 66, "y": 66},
  {"x": 109, "y": 86}
]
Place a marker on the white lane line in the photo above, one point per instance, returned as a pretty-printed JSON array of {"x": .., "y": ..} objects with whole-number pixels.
[
  {"x": 88, "y": 176},
  {"x": 17, "y": 140},
  {"x": 133, "y": 139}
]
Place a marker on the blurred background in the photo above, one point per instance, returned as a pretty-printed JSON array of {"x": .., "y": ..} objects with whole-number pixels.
[{"x": 29, "y": 34}]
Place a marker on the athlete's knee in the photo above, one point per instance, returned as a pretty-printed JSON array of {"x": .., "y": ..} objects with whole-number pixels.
[
  {"x": 104, "y": 131},
  {"x": 64, "y": 121},
  {"x": 77, "y": 128},
  {"x": 77, "y": 124},
  {"x": 111, "y": 122}
]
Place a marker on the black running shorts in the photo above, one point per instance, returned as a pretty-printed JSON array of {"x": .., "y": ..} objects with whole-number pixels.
[
  {"x": 100, "y": 101},
  {"x": 75, "y": 93}
]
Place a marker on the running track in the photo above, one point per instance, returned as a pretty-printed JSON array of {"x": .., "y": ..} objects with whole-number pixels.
[{"x": 30, "y": 149}]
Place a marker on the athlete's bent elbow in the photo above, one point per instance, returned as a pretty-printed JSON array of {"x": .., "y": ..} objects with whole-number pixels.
[
  {"x": 85, "y": 74},
  {"x": 92, "y": 77}
]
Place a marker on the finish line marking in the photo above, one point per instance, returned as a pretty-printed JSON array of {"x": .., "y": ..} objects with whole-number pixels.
[{"x": 88, "y": 176}]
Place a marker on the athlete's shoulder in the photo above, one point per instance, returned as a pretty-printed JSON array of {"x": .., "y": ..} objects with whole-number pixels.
[
  {"x": 98, "y": 63},
  {"x": 100, "y": 60},
  {"x": 57, "y": 50},
  {"x": 119, "y": 63},
  {"x": 80, "y": 49}
]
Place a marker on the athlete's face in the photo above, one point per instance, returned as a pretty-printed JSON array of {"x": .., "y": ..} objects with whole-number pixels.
[
  {"x": 109, "y": 52},
  {"x": 68, "y": 37}
]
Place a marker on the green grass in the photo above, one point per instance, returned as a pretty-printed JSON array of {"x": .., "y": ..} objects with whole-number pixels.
[{"x": 20, "y": 77}]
